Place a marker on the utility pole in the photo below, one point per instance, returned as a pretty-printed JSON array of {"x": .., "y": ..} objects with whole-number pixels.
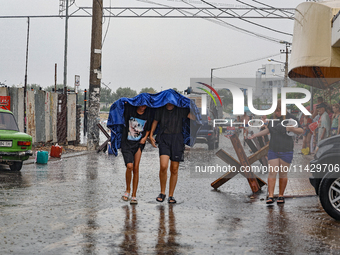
[
  {"x": 95, "y": 75},
  {"x": 286, "y": 51},
  {"x": 65, "y": 49},
  {"x": 55, "y": 78},
  {"x": 25, "y": 86}
]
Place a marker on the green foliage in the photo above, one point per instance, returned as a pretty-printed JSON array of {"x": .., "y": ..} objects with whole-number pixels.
[
  {"x": 33, "y": 87},
  {"x": 175, "y": 89},
  {"x": 227, "y": 99},
  {"x": 125, "y": 92},
  {"x": 148, "y": 90},
  {"x": 106, "y": 95}
]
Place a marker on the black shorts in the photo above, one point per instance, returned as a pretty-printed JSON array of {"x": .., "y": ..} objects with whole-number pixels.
[
  {"x": 172, "y": 145},
  {"x": 129, "y": 153}
]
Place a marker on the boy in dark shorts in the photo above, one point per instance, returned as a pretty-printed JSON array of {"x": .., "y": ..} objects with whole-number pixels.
[
  {"x": 137, "y": 128},
  {"x": 170, "y": 144}
]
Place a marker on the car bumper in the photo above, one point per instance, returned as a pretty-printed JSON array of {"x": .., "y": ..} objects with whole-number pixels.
[
  {"x": 315, "y": 180},
  {"x": 16, "y": 154}
]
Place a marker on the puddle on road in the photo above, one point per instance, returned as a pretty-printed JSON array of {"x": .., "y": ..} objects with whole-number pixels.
[{"x": 74, "y": 206}]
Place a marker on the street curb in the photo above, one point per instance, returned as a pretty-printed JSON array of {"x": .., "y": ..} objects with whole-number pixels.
[
  {"x": 68, "y": 155},
  {"x": 264, "y": 192}
]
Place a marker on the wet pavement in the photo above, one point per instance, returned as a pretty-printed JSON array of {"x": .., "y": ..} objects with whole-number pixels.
[{"x": 73, "y": 206}]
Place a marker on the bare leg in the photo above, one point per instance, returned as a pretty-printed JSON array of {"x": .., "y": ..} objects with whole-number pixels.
[
  {"x": 128, "y": 176},
  {"x": 164, "y": 162},
  {"x": 273, "y": 163},
  {"x": 173, "y": 177},
  {"x": 136, "y": 172},
  {"x": 304, "y": 142},
  {"x": 309, "y": 135},
  {"x": 283, "y": 179}
]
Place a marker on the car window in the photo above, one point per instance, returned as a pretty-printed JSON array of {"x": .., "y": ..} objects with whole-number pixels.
[{"x": 7, "y": 122}]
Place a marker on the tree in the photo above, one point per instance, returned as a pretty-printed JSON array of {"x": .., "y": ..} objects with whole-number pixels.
[
  {"x": 33, "y": 87},
  {"x": 125, "y": 92},
  {"x": 59, "y": 88},
  {"x": 148, "y": 90},
  {"x": 175, "y": 89},
  {"x": 227, "y": 99}
]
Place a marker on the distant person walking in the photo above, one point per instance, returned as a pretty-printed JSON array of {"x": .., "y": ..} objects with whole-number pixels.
[
  {"x": 335, "y": 128},
  {"x": 280, "y": 153},
  {"x": 306, "y": 135},
  {"x": 171, "y": 145},
  {"x": 265, "y": 122},
  {"x": 324, "y": 122}
]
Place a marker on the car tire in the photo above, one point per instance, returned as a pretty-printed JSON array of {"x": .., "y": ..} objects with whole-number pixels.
[
  {"x": 329, "y": 194},
  {"x": 217, "y": 143},
  {"x": 16, "y": 166},
  {"x": 211, "y": 145}
]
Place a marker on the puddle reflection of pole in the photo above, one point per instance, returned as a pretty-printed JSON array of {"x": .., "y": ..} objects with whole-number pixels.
[
  {"x": 280, "y": 234},
  {"x": 130, "y": 242},
  {"x": 90, "y": 243},
  {"x": 170, "y": 246}
]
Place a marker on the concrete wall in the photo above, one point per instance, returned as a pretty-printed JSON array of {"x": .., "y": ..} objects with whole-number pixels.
[
  {"x": 3, "y": 91},
  {"x": 53, "y": 112},
  {"x": 17, "y": 105},
  {"x": 48, "y": 133},
  {"x": 41, "y": 113},
  {"x": 71, "y": 117},
  {"x": 40, "y": 116},
  {"x": 30, "y": 115}
]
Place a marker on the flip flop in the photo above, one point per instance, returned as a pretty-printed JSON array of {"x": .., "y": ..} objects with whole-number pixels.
[
  {"x": 161, "y": 197},
  {"x": 126, "y": 197},
  {"x": 270, "y": 200},
  {"x": 280, "y": 200},
  {"x": 133, "y": 200},
  {"x": 172, "y": 200}
]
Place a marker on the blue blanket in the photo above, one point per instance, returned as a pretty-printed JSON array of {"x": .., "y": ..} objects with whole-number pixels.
[{"x": 116, "y": 121}]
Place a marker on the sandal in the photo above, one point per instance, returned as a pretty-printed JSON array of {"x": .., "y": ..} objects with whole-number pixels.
[
  {"x": 160, "y": 197},
  {"x": 126, "y": 197},
  {"x": 172, "y": 200},
  {"x": 280, "y": 200},
  {"x": 133, "y": 200},
  {"x": 270, "y": 200}
]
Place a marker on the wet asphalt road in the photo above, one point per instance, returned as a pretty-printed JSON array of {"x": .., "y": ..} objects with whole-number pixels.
[{"x": 74, "y": 206}]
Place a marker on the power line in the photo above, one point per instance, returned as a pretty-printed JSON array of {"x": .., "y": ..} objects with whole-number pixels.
[
  {"x": 243, "y": 30},
  {"x": 107, "y": 28},
  {"x": 219, "y": 21},
  {"x": 266, "y": 5},
  {"x": 253, "y": 23},
  {"x": 246, "y": 62},
  {"x": 223, "y": 23}
]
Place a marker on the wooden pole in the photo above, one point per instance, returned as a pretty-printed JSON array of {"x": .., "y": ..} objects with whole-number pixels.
[{"x": 95, "y": 75}]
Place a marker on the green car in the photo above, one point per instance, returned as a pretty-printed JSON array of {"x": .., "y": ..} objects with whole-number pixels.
[{"x": 15, "y": 147}]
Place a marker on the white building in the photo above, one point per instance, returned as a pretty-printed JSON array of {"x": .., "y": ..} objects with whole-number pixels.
[{"x": 268, "y": 77}]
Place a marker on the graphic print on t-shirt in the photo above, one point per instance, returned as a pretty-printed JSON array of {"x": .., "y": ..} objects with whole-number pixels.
[{"x": 136, "y": 128}]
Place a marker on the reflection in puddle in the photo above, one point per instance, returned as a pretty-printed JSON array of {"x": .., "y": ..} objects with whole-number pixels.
[
  {"x": 279, "y": 236},
  {"x": 130, "y": 242},
  {"x": 91, "y": 208},
  {"x": 166, "y": 232},
  {"x": 166, "y": 241}
]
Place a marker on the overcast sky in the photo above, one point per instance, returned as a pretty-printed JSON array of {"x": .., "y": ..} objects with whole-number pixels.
[{"x": 137, "y": 52}]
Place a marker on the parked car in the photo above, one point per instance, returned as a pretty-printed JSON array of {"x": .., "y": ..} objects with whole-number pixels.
[
  {"x": 325, "y": 168},
  {"x": 208, "y": 134},
  {"x": 15, "y": 146}
]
